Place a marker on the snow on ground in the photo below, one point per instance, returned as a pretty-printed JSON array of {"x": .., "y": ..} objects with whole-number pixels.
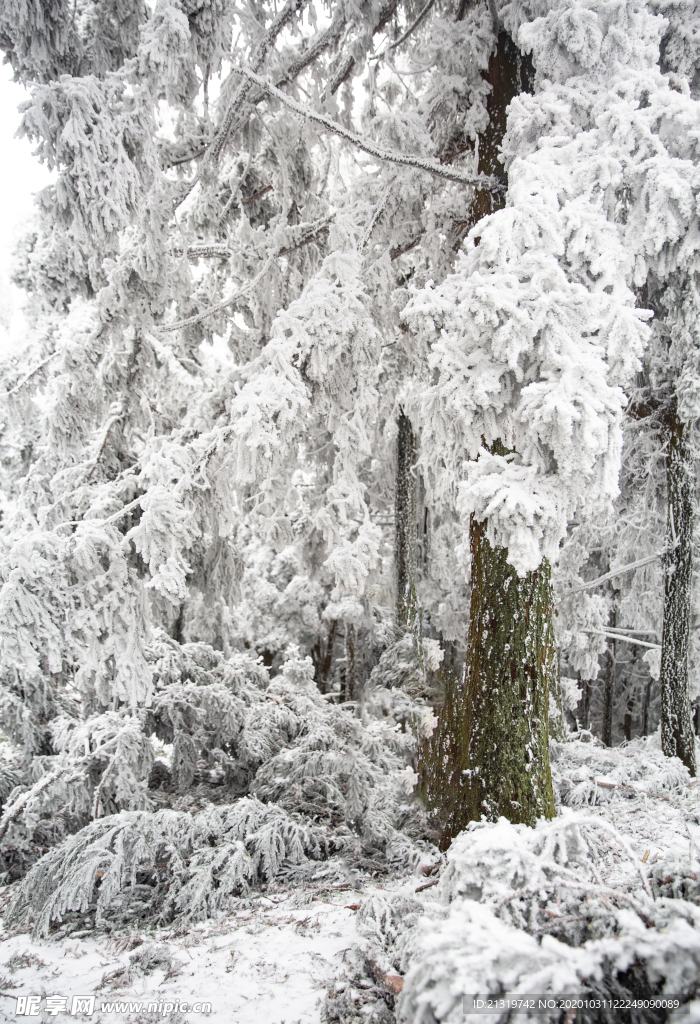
[{"x": 270, "y": 962}]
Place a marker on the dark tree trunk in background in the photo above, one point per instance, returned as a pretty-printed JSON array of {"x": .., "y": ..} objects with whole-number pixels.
[
  {"x": 627, "y": 725},
  {"x": 609, "y": 690},
  {"x": 322, "y": 655},
  {"x": 405, "y": 519},
  {"x": 350, "y": 679},
  {"x": 490, "y": 752},
  {"x": 646, "y": 701},
  {"x": 677, "y": 737},
  {"x": 585, "y": 720}
]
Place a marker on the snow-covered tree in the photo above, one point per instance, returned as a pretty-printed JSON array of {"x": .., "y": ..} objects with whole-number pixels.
[{"x": 293, "y": 256}]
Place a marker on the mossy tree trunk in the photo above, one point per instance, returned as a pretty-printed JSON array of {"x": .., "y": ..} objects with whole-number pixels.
[
  {"x": 510, "y": 661},
  {"x": 676, "y": 727},
  {"x": 489, "y": 755}
]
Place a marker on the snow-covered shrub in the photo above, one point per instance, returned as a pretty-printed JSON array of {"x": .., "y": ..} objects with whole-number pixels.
[
  {"x": 296, "y": 778},
  {"x": 603, "y": 901},
  {"x": 136, "y": 865},
  {"x": 563, "y": 909}
]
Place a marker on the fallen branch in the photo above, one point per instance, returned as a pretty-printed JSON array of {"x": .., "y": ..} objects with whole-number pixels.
[
  {"x": 427, "y": 885},
  {"x": 631, "y": 789}
]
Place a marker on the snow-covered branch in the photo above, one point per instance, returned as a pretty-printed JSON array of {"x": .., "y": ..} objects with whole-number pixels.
[
  {"x": 429, "y": 166},
  {"x": 591, "y": 584}
]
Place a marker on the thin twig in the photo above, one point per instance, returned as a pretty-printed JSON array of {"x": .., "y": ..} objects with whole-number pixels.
[
  {"x": 15, "y": 809},
  {"x": 32, "y": 373},
  {"x": 409, "y": 31},
  {"x": 217, "y": 146},
  {"x": 224, "y": 304},
  {"x": 219, "y": 251},
  {"x": 102, "y": 522},
  {"x": 316, "y": 47}
]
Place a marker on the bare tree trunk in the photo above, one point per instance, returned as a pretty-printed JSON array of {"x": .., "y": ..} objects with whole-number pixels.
[
  {"x": 609, "y": 691},
  {"x": 646, "y": 700},
  {"x": 405, "y": 519},
  {"x": 677, "y": 737},
  {"x": 585, "y": 702}
]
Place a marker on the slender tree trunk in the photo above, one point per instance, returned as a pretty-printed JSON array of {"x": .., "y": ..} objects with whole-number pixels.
[
  {"x": 676, "y": 728},
  {"x": 627, "y": 725},
  {"x": 405, "y": 518},
  {"x": 322, "y": 656},
  {"x": 350, "y": 682},
  {"x": 585, "y": 702},
  {"x": 646, "y": 700},
  {"x": 631, "y": 696},
  {"x": 609, "y": 691},
  {"x": 490, "y": 752}
]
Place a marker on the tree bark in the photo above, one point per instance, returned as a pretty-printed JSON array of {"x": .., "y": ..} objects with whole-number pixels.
[
  {"x": 677, "y": 737},
  {"x": 646, "y": 701},
  {"x": 609, "y": 690},
  {"x": 405, "y": 520},
  {"x": 350, "y": 680},
  {"x": 585, "y": 702},
  {"x": 510, "y": 660}
]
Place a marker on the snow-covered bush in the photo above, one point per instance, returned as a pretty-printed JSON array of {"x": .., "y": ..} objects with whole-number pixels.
[
  {"x": 136, "y": 866},
  {"x": 565, "y": 909},
  {"x": 601, "y": 902},
  {"x": 289, "y": 776}
]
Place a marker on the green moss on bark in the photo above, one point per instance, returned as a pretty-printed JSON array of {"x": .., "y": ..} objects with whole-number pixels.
[{"x": 489, "y": 756}]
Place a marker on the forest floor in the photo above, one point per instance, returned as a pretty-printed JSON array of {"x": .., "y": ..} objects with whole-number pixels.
[
  {"x": 276, "y": 956},
  {"x": 270, "y": 962}
]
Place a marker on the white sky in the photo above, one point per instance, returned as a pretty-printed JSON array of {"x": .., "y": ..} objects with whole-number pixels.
[{"x": 21, "y": 175}]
